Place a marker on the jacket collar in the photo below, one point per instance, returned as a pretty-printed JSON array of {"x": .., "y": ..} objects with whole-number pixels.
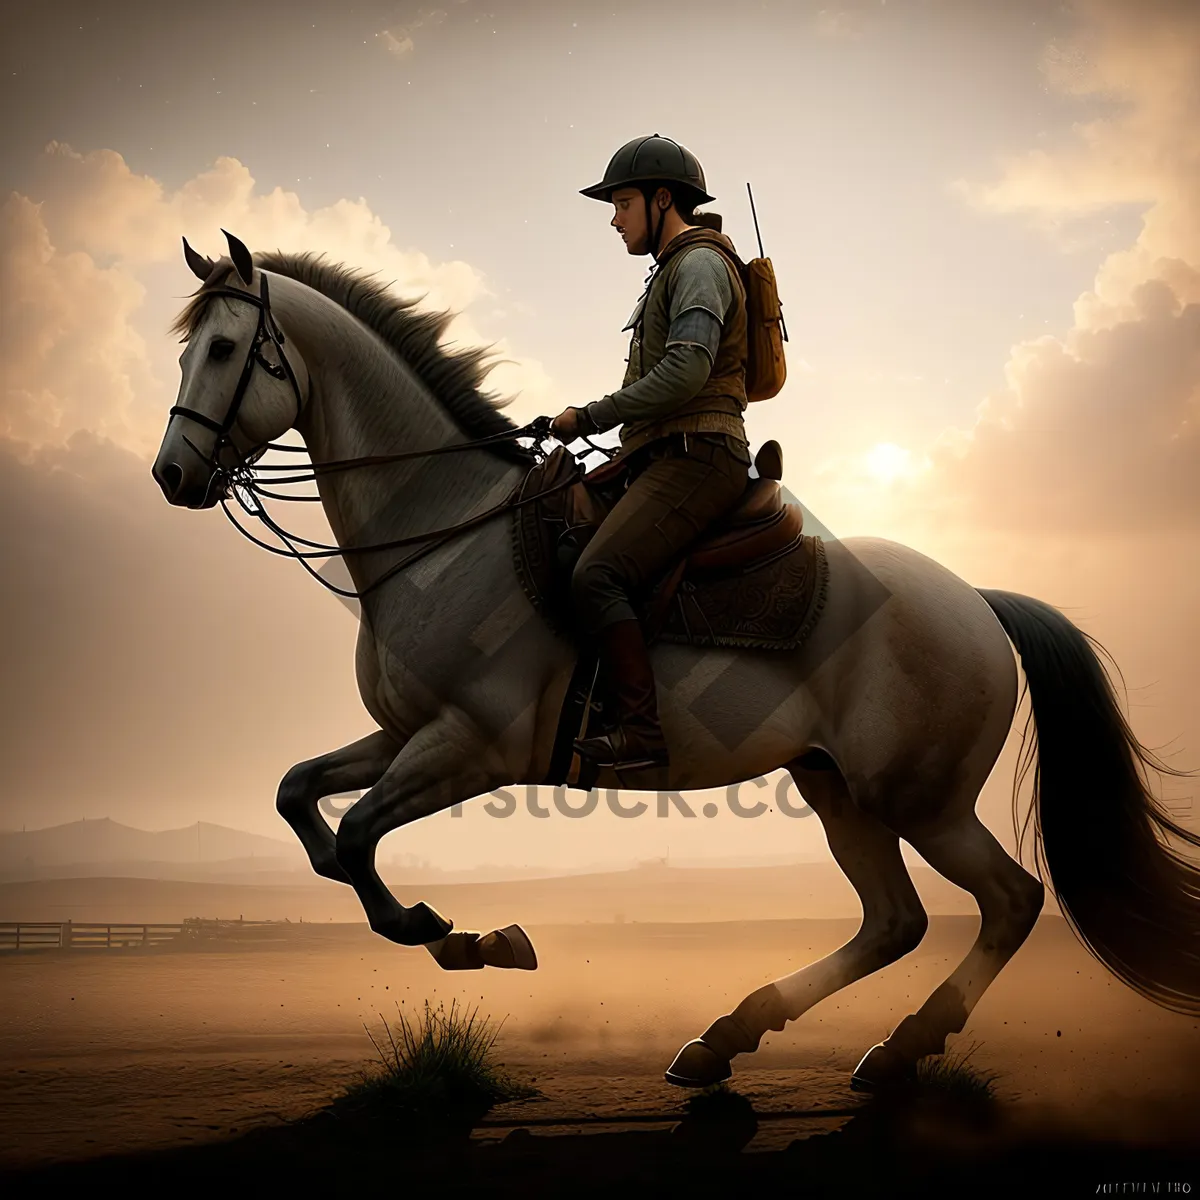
[{"x": 692, "y": 236}]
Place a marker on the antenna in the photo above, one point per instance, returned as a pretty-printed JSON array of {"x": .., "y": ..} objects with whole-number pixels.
[
  {"x": 754, "y": 214},
  {"x": 762, "y": 253}
]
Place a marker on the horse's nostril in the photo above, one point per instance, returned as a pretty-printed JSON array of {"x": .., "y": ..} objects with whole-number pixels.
[{"x": 170, "y": 479}]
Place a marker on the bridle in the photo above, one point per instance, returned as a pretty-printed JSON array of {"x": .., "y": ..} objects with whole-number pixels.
[
  {"x": 267, "y": 330},
  {"x": 240, "y": 481}
]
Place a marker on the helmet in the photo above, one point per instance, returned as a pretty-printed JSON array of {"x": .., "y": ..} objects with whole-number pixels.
[{"x": 651, "y": 159}]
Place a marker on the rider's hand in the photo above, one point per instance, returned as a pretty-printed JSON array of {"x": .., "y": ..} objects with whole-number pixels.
[{"x": 570, "y": 423}]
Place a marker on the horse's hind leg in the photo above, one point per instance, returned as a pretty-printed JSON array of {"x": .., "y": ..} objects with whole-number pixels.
[
  {"x": 894, "y": 922},
  {"x": 1009, "y": 899},
  {"x": 359, "y": 765}
]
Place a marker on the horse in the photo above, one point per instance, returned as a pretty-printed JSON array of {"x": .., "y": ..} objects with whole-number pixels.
[{"x": 890, "y": 718}]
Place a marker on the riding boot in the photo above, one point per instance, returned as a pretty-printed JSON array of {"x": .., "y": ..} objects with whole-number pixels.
[
  {"x": 637, "y": 741},
  {"x": 602, "y": 710}
]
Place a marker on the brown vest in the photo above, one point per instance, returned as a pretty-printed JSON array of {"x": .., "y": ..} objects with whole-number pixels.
[{"x": 718, "y": 406}]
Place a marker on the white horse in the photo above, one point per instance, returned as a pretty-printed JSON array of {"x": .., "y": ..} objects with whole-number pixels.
[{"x": 890, "y": 717}]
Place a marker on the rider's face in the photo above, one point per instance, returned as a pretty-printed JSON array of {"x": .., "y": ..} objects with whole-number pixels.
[{"x": 629, "y": 218}]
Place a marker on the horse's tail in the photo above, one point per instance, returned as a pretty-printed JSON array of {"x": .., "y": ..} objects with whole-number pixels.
[{"x": 1133, "y": 900}]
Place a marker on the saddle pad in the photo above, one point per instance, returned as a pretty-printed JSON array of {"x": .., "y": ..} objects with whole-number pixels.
[
  {"x": 535, "y": 530},
  {"x": 773, "y": 607}
]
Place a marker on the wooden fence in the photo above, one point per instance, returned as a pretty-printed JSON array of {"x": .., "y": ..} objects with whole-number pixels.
[{"x": 90, "y": 935}]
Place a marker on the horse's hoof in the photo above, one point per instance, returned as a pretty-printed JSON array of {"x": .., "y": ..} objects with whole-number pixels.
[
  {"x": 697, "y": 1065},
  {"x": 881, "y": 1067},
  {"x": 509, "y": 948}
]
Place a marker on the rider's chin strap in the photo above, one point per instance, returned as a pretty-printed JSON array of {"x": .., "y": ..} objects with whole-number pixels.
[{"x": 653, "y": 242}]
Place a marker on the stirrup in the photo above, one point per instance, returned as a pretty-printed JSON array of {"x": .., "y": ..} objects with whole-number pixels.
[{"x": 609, "y": 750}]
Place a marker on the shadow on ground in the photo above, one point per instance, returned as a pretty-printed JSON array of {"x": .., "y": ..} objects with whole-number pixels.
[{"x": 905, "y": 1145}]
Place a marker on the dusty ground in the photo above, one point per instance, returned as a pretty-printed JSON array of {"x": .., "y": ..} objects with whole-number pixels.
[{"x": 126, "y": 1051}]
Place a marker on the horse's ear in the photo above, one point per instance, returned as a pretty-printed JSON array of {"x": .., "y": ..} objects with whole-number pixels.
[
  {"x": 240, "y": 255},
  {"x": 201, "y": 267}
]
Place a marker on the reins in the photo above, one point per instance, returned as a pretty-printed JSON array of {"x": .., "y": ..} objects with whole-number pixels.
[{"x": 241, "y": 480}]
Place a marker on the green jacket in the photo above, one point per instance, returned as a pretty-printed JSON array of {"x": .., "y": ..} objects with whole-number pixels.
[{"x": 718, "y": 406}]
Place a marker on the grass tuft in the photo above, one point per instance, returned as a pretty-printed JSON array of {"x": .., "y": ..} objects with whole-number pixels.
[
  {"x": 946, "y": 1097},
  {"x": 437, "y": 1068},
  {"x": 946, "y": 1088},
  {"x": 953, "y": 1077}
]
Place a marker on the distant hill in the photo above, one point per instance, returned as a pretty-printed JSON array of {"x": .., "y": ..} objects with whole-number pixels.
[
  {"x": 216, "y": 853},
  {"x": 813, "y": 890},
  {"x": 105, "y": 842},
  {"x": 103, "y": 870}
]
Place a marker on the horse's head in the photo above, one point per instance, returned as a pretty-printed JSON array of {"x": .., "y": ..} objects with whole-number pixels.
[{"x": 244, "y": 383}]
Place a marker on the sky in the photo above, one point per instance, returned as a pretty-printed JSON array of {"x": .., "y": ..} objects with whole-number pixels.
[{"x": 984, "y": 219}]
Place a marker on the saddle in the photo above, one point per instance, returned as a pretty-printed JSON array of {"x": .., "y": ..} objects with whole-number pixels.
[
  {"x": 752, "y": 579},
  {"x": 702, "y": 598}
]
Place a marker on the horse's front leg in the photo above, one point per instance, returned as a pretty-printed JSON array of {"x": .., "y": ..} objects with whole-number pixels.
[
  {"x": 358, "y": 765},
  {"x": 443, "y": 764}
]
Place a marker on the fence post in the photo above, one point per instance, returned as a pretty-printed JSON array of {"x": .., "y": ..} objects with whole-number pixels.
[{"x": 64, "y": 935}]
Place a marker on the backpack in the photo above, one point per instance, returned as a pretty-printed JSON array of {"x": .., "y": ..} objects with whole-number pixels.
[{"x": 766, "y": 368}]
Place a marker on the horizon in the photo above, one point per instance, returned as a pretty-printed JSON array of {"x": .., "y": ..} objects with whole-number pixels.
[{"x": 398, "y": 860}]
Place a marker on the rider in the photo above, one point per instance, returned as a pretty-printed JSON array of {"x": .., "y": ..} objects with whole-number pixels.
[{"x": 680, "y": 410}]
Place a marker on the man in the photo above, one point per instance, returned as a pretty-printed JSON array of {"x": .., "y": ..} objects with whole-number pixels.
[{"x": 680, "y": 410}]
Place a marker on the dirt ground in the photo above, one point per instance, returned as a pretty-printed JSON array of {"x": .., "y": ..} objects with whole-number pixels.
[{"x": 116, "y": 1052}]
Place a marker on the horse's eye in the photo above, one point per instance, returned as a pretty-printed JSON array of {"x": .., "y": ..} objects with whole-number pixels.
[{"x": 220, "y": 349}]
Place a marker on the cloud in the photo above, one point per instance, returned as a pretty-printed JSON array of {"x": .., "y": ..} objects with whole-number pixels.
[
  {"x": 73, "y": 297},
  {"x": 399, "y": 44},
  {"x": 69, "y": 356},
  {"x": 1097, "y": 432},
  {"x": 1142, "y": 63},
  {"x": 95, "y": 204}
]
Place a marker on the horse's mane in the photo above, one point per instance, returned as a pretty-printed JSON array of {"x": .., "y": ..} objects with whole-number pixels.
[{"x": 454, "y": 377}]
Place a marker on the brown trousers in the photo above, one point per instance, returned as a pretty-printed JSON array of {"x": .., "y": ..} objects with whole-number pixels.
[{"x": 672, "y": 497}]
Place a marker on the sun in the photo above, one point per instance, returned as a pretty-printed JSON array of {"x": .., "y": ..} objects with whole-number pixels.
[{"x": 887, "y": 462}]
